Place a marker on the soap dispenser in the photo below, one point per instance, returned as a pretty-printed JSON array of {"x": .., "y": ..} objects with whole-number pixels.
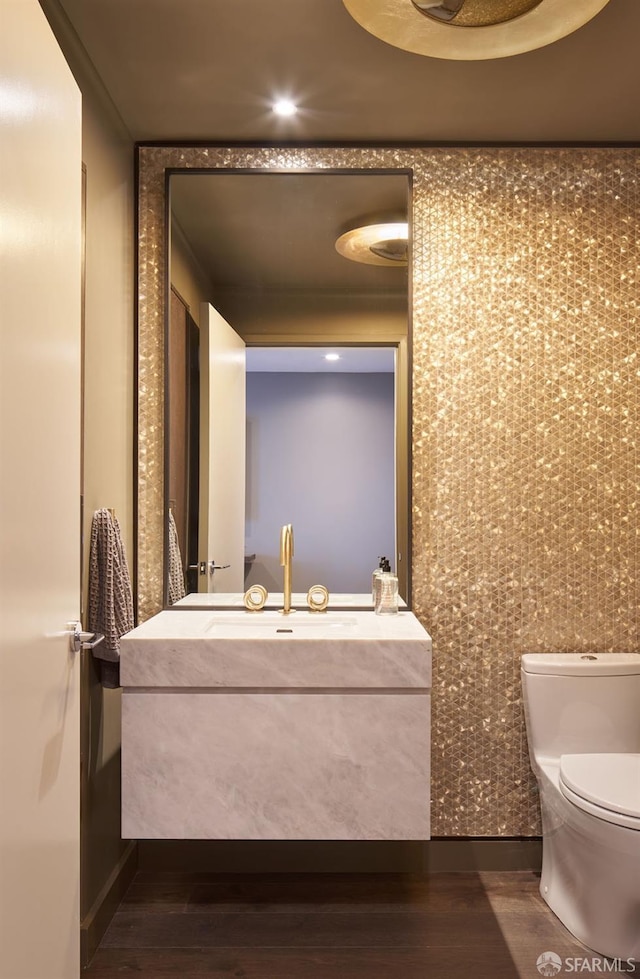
[
  {"x": 386, "y": 592},
  {"x": 376, "y": 574}
]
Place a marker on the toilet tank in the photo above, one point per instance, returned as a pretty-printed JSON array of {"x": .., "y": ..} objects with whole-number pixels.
[{"x": 581, "y": 702}]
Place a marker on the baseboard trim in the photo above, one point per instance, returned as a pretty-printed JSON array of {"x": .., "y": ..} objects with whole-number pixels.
[
  {"x": 96, "y": 921},
  {"x": 451, "y": 854},
  {"x": 444, "y": 854}
]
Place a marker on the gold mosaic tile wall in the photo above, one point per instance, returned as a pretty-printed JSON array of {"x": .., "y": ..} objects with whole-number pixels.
[
  {"x": 527, "y": 471},
  {"x": 526, "y": 397}
]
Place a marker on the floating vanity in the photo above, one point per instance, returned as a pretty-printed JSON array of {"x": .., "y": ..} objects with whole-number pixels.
[{"x": 260, "y": 726}]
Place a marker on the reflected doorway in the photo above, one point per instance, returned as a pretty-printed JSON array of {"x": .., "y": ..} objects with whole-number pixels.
[{"x": 321, "y": 456}]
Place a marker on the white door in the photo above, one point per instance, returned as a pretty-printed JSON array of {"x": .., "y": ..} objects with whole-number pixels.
[
  {"x": 40, "y": 187},
  {"x": 222, "y": 454}
]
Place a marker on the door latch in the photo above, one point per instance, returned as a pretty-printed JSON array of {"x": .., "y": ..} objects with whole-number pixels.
[
  {"x": 83, "y": 640},
  {"x": 209, "y": 566}
]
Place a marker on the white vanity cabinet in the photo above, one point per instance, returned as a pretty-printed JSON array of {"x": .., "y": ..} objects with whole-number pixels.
[{"x": 274, "y": 728}]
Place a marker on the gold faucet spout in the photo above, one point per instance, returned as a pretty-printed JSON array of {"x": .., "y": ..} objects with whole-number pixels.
[{"x": 286, "y": 557}]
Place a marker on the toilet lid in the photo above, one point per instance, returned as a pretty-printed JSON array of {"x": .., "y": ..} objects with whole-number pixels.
[{"x": 610, "y": 781}]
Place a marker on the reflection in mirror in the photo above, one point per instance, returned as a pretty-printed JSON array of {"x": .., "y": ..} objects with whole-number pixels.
[
  {"x": 320, "y": 455},
  {"x": 319, "y": 444}
]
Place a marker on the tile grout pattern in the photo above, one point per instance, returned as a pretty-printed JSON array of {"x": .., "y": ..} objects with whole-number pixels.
[{"x": 333, "y": 926}]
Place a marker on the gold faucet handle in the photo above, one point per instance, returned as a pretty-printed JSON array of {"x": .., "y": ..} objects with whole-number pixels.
[
  {"x": 255, "y": 598},
  {"x": 318, "y": 598}
]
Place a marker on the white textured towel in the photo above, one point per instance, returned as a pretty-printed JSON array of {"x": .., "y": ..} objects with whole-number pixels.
[
  {"x": 176, "y": 576},
  {"x": 110, "y": 596}
]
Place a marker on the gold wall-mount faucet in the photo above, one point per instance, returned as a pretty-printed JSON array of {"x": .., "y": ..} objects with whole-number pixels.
[{"x": 286, "y": 559}]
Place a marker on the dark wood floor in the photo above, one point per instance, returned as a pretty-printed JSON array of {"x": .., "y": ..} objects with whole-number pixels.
[{"x": 448, "y": 926}]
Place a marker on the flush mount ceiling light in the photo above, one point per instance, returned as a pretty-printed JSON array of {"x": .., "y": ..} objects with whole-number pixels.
[
  {"x": 472, "y": 30},
  {"x": 285, "y": 107},
  {"x": 376, "y": 244}
]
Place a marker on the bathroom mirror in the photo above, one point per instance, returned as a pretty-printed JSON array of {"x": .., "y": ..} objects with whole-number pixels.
[
  {"x": 210, "y": 203},
  {"x": 321, "y": 441}
]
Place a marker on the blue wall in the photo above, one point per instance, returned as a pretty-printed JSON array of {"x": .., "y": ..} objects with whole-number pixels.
[{"x": 320, "y": 455}]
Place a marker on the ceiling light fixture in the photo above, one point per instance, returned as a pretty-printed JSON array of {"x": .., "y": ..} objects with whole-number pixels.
[
  {"x": 494, "y": 28},
  {"x": 332, "y": 356},
  {"x": 376, "y": 244},
  {"x": 475, "y": 13},
  {"x": 285, "y": 107}
]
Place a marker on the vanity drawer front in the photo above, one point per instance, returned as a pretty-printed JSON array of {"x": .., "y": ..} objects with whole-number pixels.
[
  {"x": 181, "y": 662},
  {"x": 332, "y": 766}
]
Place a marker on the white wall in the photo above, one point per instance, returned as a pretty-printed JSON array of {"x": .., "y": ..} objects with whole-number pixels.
[{"x": 320, "y": 455}]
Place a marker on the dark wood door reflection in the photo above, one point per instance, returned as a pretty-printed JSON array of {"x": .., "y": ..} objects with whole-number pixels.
[{"x": 183, "y": 425}]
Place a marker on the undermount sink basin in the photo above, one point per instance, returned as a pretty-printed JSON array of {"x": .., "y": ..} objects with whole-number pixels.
[{"x": 274, "y": 624}]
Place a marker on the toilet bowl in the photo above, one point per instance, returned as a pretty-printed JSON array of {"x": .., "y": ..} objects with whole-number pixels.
[{"x": 583, "y": 726}]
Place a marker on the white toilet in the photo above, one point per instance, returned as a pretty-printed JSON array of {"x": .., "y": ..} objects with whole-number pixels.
[{"x": 583, "y": 723}]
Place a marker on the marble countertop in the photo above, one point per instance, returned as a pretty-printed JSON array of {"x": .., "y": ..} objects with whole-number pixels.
[{"x": 262, "y": 650}]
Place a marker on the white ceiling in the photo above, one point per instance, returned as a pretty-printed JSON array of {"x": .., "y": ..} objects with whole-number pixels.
[{"x": 208, "y": 69}]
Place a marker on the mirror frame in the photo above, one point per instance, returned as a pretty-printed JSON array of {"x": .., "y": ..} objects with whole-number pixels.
[{"x": 155, "y": 164}]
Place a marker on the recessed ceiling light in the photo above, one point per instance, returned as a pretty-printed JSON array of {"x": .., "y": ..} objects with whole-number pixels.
[
  {"x": 285, "y": 107},
  {"x": 332, "y": 356}
]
